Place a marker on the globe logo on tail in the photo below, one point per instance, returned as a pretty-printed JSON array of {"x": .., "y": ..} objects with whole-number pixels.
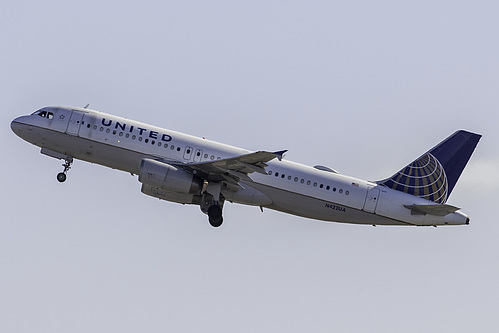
[{"x": 424, "y": 178}]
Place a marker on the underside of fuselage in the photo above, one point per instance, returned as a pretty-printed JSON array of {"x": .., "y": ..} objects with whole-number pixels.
[
  {"x": 83, "y": 149},
  {"x": 314, "y": 208}
]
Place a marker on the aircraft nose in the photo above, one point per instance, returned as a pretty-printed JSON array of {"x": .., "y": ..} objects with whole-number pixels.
[{"x": 17, "y": 125}]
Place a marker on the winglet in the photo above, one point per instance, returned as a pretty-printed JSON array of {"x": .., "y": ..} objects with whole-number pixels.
[{"x": 280, "y": 154}]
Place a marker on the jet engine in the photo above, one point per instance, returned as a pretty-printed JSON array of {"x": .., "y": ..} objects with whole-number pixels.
[
  {"x": 162, "y": 194},
  {"x": 168, "y": 177}
]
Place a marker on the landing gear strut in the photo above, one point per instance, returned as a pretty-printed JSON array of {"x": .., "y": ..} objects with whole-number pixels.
[{"x": 61, "y": 176}]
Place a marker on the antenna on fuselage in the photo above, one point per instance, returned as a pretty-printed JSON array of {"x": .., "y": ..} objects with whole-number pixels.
[{"x": 86, "y": 106}]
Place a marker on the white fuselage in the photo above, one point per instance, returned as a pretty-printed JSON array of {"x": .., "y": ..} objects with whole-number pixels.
[{"x": 290, "y": 187}]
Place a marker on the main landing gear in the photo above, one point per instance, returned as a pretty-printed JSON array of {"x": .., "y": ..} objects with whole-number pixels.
[
  {"x": 211, "y": 203},
  {"x": 215, "y": 216},
  {"x": 61, "y": 176}
]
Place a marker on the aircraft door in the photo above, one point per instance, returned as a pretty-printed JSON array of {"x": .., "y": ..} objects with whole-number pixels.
[
  {"x": 75, "y": 123},
  {"x": 371, "y": 200}
]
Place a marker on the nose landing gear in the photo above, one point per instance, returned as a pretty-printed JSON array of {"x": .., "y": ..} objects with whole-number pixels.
[{"x": 61, "y": 176}]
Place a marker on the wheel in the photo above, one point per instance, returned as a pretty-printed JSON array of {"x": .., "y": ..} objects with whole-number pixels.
[
  {"x": 215, "y": 216},
  {"x": 61, "y": 177},
  {"x": 216, "y": 223}
]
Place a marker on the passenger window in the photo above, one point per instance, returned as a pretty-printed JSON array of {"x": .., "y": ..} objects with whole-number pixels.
[
  {"x": 277, "y": 174},
  {"x": 309, "y": 182},
  {"x": 270, "y": 173},
  {"x": 296, "y": 179},
  {"x": 315, "y": 184}
]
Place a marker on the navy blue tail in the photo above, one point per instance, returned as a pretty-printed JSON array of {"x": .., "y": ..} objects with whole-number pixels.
[{"x": 434, "y": 175}]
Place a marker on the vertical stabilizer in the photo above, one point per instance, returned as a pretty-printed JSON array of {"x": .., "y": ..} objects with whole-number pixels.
[{"x": 434, "y": 175}]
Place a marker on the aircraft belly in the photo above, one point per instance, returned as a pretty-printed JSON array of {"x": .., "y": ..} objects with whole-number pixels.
[
  {"x": 110, "y": 156},
  {"x": 86, "y": 150},
  {"x": 305, "y": 206}
]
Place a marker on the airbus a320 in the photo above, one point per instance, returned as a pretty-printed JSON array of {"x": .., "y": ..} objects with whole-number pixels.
[{"x": 181, "y": 168}]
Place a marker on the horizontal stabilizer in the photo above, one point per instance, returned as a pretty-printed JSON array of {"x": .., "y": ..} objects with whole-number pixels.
[{"x": 437, "y": 210}]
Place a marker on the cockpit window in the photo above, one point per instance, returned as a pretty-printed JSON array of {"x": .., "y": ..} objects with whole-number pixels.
[{"x": 44, "y": 114}]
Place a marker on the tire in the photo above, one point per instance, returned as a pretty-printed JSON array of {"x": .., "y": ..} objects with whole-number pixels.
[
  {"x": 61, "y": 177},
  {"x": 215, "y": 216}
]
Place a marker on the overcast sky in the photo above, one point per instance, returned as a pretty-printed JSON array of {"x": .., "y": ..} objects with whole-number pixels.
[{"x": 361, "y": 86}]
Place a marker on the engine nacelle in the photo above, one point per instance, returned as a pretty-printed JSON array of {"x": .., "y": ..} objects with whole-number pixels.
[
  {"x": 162, "y": 194},
  {"x": 168, "y": 177}
]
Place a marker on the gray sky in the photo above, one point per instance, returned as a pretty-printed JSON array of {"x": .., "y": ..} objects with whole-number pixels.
[{"x": 361, "y": 86}]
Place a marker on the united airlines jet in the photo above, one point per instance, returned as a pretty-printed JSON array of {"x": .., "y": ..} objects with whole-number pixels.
[{"x": 185, "y": 169}]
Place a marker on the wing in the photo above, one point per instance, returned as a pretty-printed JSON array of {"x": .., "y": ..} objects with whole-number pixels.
[{"x": 233, "y": 169}]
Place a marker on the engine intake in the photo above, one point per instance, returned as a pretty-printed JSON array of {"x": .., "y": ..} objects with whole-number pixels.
[{"x": 168, "y": 177}]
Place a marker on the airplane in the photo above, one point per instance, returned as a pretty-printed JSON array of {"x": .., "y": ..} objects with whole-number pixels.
[{"x": 184, "y": 169}]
